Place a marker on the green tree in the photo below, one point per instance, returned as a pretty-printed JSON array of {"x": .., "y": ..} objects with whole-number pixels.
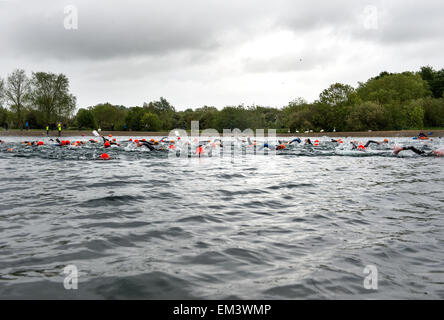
[
  {"x": 416, "y": 116},
  {"x": 133, "y": 117},
  {"x": 394, "y": 89},
  {"x": 433, "y": 112},
  {"x": 337, "y": 94},
  {"x": 152, "y": 120},
  {"x": 435, "y": 80},
  {"x": 366, "y": 116},
  {"x": 85, "y": 119},
  {"x": 108, "y": 116},
  {"x": 2, "y": 91},
  {"x": 17, "y": 93},
  {"x": 50, "y": 94}
]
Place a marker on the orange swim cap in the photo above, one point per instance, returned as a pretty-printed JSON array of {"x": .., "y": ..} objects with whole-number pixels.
[
  {"x": 110, "y": 135},
  {"x": 105, "y": 156}
]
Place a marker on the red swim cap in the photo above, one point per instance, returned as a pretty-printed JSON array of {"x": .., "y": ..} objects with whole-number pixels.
[
  {"x": 68, "y": 142},
  {"x": 105, "y": 156},
  {"x": 107, "y": 144},
  {"x": 136, "y": 141},
  {"x": 110, "y": 135},
  {"x": 130, "y": 139},
  {"x": 199, "y": 150},
  {"x": 40, "y": 143},
  {"x": 172, "y": 147}
]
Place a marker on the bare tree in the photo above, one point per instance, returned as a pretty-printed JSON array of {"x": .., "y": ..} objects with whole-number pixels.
[{"x": 17, "y": 92}]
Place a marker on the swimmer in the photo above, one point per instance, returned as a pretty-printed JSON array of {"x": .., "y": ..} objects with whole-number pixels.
[
  {"x": 295, "y": 140},
  {"x": 435, "y": 153},
  {"x": 308, "y": 141},
  {"x": 147, "y": 144},
  {"x": 355, "y": 146},
  {"x": 375, "y": 142}
]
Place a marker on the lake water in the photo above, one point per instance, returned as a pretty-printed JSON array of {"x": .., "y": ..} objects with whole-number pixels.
[{"x": 303, "y": 223}]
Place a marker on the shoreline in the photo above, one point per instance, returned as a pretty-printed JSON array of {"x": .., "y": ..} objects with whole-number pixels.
[{"x": 88, "y": 133}]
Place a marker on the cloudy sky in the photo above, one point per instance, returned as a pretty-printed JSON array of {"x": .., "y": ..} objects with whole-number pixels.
[{"x": 217, "y": 52}]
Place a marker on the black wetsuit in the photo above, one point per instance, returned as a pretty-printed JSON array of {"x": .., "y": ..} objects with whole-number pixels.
[
  {"x": 147, "y": 144},
  {"x": 110, "y": 142},
  {"x": 370, "y": 142},
  {"x": 295, "y": 140},
  {"x": 417, "y": 151}
]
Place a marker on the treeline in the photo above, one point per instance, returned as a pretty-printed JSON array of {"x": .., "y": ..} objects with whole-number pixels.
[
  {"x": 38, "y": 100},
  {"x": 390, "y": 101}
]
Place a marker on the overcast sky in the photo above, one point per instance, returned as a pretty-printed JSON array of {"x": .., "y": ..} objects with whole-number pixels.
[{"x": 217, "y": 52}]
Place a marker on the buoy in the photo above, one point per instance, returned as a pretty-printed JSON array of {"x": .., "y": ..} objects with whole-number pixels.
[
  {"x": 105, "y": 156},
  {"x": 107, "y": 144}
]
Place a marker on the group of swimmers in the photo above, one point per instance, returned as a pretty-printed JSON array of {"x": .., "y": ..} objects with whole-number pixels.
[{"x": 206, "y": 146}]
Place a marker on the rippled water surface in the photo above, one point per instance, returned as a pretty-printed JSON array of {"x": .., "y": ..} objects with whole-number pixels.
[{"x": 295, "y": 225}]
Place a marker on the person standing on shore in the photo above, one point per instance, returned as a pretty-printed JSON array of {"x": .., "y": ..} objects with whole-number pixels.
[
  {"x": 60, "y": 129},
  {"x": 27, "y": 126},
  {"x": 47, "y": 129},
  {"x": 6, "y": 125}
]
